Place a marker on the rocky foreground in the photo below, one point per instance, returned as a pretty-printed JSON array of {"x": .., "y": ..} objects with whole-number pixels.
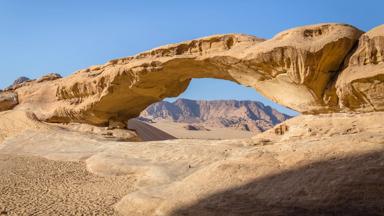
[{"x": 329, "y": 164}]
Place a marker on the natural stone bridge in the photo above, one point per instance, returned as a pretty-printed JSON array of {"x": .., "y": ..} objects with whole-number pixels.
[{"x": 311, "y": 69}]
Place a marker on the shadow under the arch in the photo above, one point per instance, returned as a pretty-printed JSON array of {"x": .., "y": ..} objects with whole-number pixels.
[{"x": 352, "y": 186}]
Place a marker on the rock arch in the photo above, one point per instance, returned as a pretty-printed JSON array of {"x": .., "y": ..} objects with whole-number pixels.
[{"x": 297, "y": 68}]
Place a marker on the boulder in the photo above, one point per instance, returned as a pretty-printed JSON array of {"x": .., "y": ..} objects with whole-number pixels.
[
  {"x": 20, "y": 80},
  {"x": 8, "y": 100},
  {"x": 49, "y": 77},
  {"x": 194, "y": 127}
]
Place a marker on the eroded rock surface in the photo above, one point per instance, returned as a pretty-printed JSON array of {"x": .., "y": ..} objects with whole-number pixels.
[
  {"x": 8, "y": 100},
  {"x": 328, "y": 164},
  {"x": 360, "y": 86},
  {"x": 323, "y": 165},
  {"x": 297, "y": 68},
  {"x": 49, "y": 77}
]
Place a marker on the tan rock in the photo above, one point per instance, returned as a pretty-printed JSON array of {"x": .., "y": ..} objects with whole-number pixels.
[
  {"x": 360, "y": 87},
  {"x": 294, "y": 68},
  {"x": 17, "y": 122},
  {"x": 116, "y": 124},
  {"x": 320, "y": 172},
  {"x": 322, "y": 163},
  {"x": 19, "y": 82},
  {"x": 49, "y": 77},
  {"x": 8, "y": 100},
  {"x": 116, "y": 134},
  {"x": 298, "y": 64}
]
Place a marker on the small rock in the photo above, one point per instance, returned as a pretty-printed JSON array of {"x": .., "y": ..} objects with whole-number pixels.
[
  {"x": 196, "y": 128},
  {"x": 21, "y": 80},
  {"x": 49, "y": 77},
  {"x": 3, "y": 212},
  {"x": 281, "y": 129},
  {"x": 113, "y": 124},
  {"x": 8, "y": 100}
]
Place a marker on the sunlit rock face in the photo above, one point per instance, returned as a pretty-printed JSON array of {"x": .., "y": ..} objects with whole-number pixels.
[
  {"x": 360, "y": 87},
  {"x": 298, "y": 68}
]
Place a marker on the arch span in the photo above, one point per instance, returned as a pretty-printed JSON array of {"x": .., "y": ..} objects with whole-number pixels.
[{"x": 296, "y": 68}]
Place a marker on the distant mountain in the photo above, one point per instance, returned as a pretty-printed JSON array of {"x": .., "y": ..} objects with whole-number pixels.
[{"x": 242, "y": 115}]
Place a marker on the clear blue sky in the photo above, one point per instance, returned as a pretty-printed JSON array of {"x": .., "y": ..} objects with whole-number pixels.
[{"x": 42, "y": 36}]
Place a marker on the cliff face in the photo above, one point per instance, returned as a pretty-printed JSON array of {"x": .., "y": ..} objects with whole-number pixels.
[
  {"x": 311, "y": 69},
  {"x": 241, "y": 115},
  {"x": 360, "y": 85}
]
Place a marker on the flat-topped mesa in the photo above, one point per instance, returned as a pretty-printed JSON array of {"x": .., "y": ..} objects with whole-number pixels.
[{"x": 297, "y": 68}]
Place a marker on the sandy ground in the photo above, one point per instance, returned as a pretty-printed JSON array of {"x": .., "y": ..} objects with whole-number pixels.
[
  {"x": 322, "y": 165},
  {"x": 214, "y": 133},
  {"x": 36, "y": 186}
]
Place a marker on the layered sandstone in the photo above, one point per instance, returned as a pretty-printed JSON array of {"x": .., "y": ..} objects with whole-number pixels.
[
  {"x": 360, "y": 86},
  {"x": 297, "y": 68}
]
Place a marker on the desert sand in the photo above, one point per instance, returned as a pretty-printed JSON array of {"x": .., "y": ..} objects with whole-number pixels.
[
  {"x": 179, "y": 130},
  {"x": 36, "y": 186},
  {"x": 322, "y": 164}
]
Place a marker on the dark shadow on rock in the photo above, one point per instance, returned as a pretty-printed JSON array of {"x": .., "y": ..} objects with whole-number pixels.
[{"x": 352, "y": 186}]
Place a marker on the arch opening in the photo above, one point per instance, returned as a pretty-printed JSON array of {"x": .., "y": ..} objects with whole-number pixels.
[
  {"x": 215, "y": 109},
  {"x": 218, "y": 89}
]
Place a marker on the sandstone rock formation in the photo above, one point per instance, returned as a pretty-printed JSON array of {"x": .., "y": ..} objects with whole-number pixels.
[
  {"x": 20, "y": 81},
  {"x": 328, "y": 164},
  {"x": 15, "y": 122},
  {"x": 360, "y": 86},
  {"x": 297, "y": 68},
  {"x": 8, "y": 100},
  {"x": 49, "y": 77}
]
